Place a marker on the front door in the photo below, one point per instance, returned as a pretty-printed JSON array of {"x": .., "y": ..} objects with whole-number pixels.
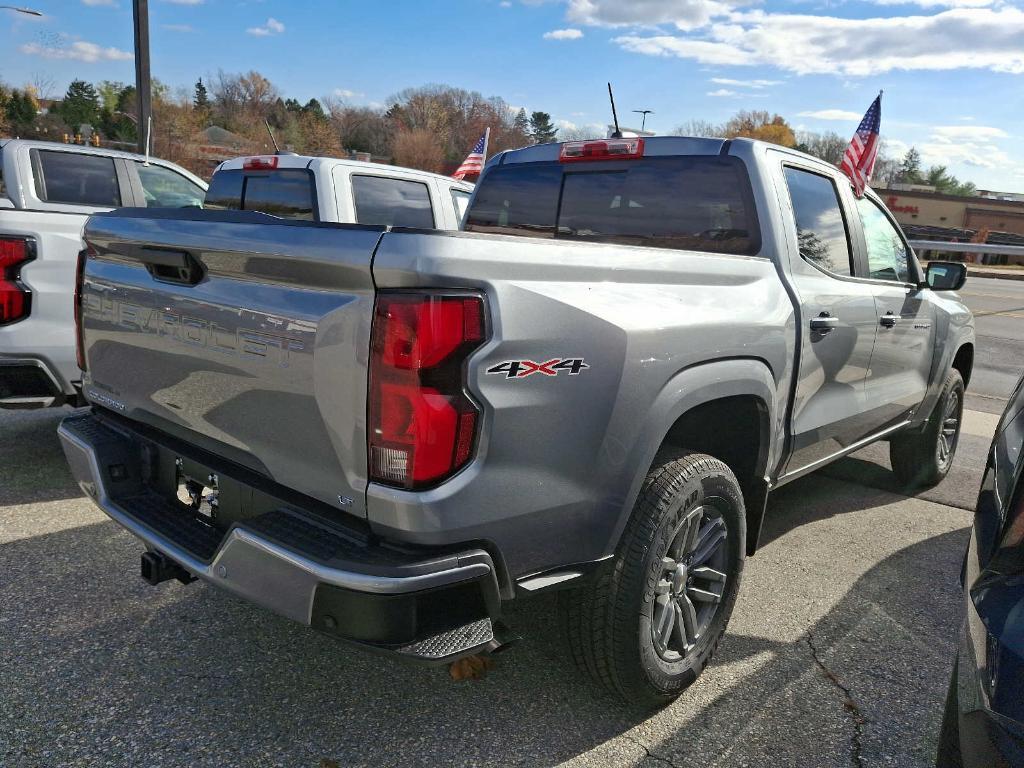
[
  {"x": 839, "y": 318},
  {"x": 901, "y": 363}
]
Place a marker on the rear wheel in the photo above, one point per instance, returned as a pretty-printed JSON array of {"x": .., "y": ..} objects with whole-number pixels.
[
  {"x": 650, "y": 626},
  {"x": 924, "y": 458}
]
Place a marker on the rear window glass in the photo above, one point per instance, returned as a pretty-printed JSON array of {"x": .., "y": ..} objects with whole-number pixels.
[
  {"x": 78, "y": 179},
  {"x": 392, "y": 202},
  {"x": 287, "y": 193},
  {"x": 685, "y": 202}
]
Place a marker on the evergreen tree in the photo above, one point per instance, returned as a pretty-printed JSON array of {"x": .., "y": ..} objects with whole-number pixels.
[
  {"x": 910, "y": 168},
  {"x": 313, "y": 108},
  {"x": 81, "y": 105},
  {"x": 541, "y": 128},
  {"x": 19, "y": 109},
  {"x": 202, "y": 97},
  {"x": 521, "y": 124}
]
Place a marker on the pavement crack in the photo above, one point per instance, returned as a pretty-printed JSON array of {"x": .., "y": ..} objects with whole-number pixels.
[
  {"x": 849, "y": 705},
  {"x": 648, "y": 752}
]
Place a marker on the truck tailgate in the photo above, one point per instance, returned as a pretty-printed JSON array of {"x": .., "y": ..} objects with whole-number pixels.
[{"x": 243, "y": 334}]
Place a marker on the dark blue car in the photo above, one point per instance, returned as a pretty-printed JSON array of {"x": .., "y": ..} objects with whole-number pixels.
[{"x": 983, "y": 726}]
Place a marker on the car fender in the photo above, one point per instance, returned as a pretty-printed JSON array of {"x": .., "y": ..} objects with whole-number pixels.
[{"x": 689, "y": 388}]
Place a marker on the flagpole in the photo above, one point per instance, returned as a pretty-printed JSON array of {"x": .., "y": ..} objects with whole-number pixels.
[{"x": 487, "y": 141}]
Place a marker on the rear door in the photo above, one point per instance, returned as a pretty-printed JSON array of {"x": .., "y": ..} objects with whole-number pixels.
[
  {"x": 901, "y": 362},
  {"x": 837, "y": 314}
]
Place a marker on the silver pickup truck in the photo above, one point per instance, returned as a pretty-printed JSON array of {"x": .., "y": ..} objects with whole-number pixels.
[{"x": 388, "y": 434}]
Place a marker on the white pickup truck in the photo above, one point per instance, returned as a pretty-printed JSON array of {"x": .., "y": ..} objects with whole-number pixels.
[
  {"x": 47, "y": 191},
  {"x": 327, "y": 189}
]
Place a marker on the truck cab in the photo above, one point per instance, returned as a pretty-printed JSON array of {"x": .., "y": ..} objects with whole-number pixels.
[{"x": 328, "y": 189}]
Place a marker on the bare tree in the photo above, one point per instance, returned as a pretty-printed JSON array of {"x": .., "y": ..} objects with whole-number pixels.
[{"x": 43, "y": 85}]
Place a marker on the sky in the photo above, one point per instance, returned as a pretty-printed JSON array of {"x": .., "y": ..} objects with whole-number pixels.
[{"x": 952, "y": 70}]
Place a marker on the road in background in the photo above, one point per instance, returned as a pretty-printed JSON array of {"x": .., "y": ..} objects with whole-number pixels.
[
  {"x": 998, "y": 307},
  {"x": 838, "y": 653}
]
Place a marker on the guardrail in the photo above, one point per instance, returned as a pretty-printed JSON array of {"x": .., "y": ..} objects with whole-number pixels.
[{"x": 986, "y": 248}]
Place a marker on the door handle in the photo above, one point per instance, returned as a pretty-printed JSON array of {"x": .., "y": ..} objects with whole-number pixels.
[
  {"x": 889, "y": 319},
  {"x": 824, "y": 323}
]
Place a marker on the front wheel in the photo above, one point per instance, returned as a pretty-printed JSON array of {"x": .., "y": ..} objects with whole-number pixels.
[
  {"x": 648, "y": 628},
  {"x": 924, "y": 458}
]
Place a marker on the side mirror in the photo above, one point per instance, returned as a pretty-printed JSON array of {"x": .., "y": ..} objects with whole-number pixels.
[{"x": 945, "y": 275}]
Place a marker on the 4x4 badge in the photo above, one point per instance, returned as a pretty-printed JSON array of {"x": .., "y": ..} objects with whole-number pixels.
[{"x": 520, "y": 369}]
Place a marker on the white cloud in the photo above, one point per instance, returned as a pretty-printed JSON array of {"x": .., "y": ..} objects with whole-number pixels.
[
  {"x": 272, "y": 27},
  {"x": 80, "y": 50},
  {"x": 177, "y": 27},
  {"x": 831, "y": 114},
  {"x": 722, "y": 92},
  {"x": 975, "y": 38},
  {"x": 940, "y": 3},
  {"x": 563, "y": 34},
  {"x": 968, "y": 132},
  {"x": 345, "y": 93},
  {"x": 744, "y": 83},
  {"x": 99, "y": 2},
  {"x": 684, "y": 14}
]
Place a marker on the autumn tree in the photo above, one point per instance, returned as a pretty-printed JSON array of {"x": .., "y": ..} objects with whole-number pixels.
[
  {"x": 760, "y": 125},
  {"x": 418, "y": 148},
  {"x": 828, "y": 146}
]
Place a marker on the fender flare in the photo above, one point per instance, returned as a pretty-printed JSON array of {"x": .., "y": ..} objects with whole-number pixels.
[{"x": 688, "y": 389}]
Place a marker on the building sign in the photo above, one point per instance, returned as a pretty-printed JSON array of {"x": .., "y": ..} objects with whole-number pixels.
[{"x": 891, "y": 202}]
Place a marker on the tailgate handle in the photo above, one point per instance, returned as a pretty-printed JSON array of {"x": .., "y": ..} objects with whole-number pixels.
[{"x": 171, "y": 266}]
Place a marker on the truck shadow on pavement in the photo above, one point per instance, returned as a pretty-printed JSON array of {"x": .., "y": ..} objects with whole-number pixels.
[
  {"x": 100, "y": 668},
  {"x": 35, "y": 469}
]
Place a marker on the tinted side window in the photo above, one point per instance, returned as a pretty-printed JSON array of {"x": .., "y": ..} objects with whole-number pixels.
[
  {"x": 78, "y": 179},
  {"x": 286, "y": 193},
  {"x": 820, "y": 227},
  {"x": 461, "y": 201},
  {"x": 887, "y": 254},
  {"x": 392, "y": 202},
  {"x": 164, "y": 188}
]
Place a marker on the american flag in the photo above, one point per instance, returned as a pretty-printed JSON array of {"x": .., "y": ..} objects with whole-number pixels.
[
  {"x": 859, "y": 158},
  {"x": 474, "y": 162}
]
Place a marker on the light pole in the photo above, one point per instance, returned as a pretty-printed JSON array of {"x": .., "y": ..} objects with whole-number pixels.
[
  {"x": 643, "y": 120},
  {"x": 16, "y": 9},
  {"x": 143, "y": 95}
]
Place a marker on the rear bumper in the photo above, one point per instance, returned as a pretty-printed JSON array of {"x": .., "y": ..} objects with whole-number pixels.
[
  {"x": 27, "y": 382},
  {"x": 427, "y": 604}
]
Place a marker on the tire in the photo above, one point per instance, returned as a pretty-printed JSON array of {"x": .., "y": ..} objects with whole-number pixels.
[
  {"x": 949, "y": 736},
  {"x": 924, "y": 458},
  {"x": 689, "y": 515}
]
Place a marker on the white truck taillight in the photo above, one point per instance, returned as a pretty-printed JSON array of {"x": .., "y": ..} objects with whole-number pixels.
[
  {"x": 15, "y": 297},
  {"x": 422, "y": 423}
]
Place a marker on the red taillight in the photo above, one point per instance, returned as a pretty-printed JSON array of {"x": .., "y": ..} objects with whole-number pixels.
[
  {"x": 262, "y": 163},
  {"x": 422, "y": 423},
  {"x": 15, "y": 298},
  {"x": 79, "y": 341},
  {"x": 606, "y": 149}
]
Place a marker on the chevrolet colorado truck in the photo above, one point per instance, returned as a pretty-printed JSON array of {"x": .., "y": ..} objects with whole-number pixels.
[
  {"x": 389, "y": 434},
  {"x": 47, "y": 191}
]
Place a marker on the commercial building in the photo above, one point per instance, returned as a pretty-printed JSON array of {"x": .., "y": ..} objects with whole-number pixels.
[{"x": 988, "y": 217}]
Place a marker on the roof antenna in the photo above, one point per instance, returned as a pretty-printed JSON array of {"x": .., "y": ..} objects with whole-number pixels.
[
  {"x": 615, "y": 116},
  {"x": 273, "y": 141}
]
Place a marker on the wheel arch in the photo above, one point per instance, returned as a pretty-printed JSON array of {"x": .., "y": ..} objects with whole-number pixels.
[
  {"x": 963, "y": 361},
  {"x": 742, "y": 393}
]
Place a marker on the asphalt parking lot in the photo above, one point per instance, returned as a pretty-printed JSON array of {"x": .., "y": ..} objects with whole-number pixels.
[{"x": 838, "y": 653}]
